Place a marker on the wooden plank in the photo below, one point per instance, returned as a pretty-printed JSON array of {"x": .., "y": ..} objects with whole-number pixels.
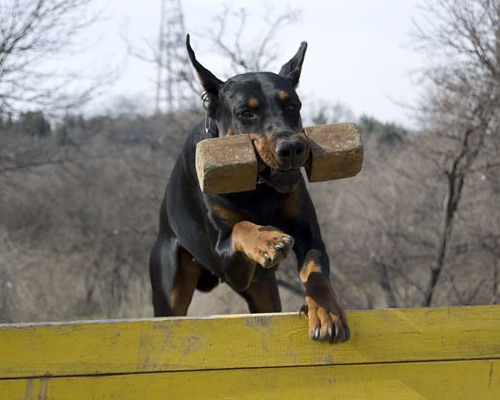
[
  {"x": 256, "y": 341},
  {"x": 336, "y": 152},
  {"x": 472, "y": 380},
  {"x": 226, "y": 164}
]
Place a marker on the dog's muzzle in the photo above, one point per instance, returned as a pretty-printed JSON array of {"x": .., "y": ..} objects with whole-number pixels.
[{"x": 291, "y": 153}]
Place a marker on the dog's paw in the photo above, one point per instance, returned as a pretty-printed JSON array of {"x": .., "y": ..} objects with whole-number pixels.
[
  {"x": 266, "y": 245},
  {"x": 326, "y": 323},
  {"x": 270, "y": 247}
]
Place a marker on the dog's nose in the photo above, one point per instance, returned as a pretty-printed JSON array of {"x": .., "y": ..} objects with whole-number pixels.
[{"x": 290, "y": 152}]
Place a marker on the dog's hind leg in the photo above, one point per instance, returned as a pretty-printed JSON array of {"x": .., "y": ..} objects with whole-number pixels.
[
  {"x": 162, "y": 267},
  {"x": 174, "y": 275},
  {"x": 263, "y": 296},
  {"x": 186, "y": 278}
]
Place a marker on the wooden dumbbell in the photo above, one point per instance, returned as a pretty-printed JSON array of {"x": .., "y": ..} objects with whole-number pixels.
[{"x": 229, "y": 164}]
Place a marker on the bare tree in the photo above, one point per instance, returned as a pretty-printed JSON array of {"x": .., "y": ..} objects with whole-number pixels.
[
  {"x": 230, "y": 37},
  {"x": 324, "y": 112},
  {"x": 32, "y": 32},
  {"x": 249, "y": 52},
  {"x": 462, "y": 102}
]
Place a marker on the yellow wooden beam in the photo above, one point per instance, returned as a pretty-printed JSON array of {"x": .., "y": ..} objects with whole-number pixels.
[
  {"x": 474, "y": 380},
  {"x": 405, "y": 353},
  {"x": 272, "y": 340}
]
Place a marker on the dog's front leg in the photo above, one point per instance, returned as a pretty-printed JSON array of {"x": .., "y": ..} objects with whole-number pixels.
[
  {"x": 265, "y": 245},
  {"x": 254, "y": 245},
  {"x": 326, "y": 317}
]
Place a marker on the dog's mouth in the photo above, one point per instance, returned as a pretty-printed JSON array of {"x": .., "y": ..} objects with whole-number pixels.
[{"x": 282, "y": 181}]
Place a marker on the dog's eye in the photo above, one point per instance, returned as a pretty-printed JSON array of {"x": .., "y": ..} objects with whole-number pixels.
[{"x": 247, "y": 114}]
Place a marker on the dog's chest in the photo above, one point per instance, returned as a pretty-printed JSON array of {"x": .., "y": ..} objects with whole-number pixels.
[{"x": 263, "y": 205}]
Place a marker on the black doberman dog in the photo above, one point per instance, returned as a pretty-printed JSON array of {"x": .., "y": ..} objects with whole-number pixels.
[{"x": 241, "y": 238}]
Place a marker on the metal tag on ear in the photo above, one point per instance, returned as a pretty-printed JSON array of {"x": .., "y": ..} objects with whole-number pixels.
[{"x": 210, "y": 129}]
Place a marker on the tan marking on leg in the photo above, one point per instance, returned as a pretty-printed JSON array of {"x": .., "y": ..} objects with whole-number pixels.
[
  {"x": 311, "y": 264},
  {"x": 186, "y": 277},
  {"x": 227, "y": 216},
  {"x": 326, "y": 317}
]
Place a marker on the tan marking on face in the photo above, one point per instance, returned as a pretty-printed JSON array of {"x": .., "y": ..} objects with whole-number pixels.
[
  {"x": 229, "y": 131},
  {"x": 253, "y": 102},
  {"x": 265, "y": 149},
  {"x": 283, "y": 95}
]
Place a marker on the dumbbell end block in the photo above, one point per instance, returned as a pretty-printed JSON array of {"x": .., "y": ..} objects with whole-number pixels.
[
  {"x": 226, "y": 164},
  {"x": 336, "y": 152}
]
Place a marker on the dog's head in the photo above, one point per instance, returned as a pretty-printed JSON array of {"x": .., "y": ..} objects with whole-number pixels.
[{"x": 265, "y": 106}]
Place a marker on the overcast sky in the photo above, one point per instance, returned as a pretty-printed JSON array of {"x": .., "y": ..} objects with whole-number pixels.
[{"x": 358, "y": 52}]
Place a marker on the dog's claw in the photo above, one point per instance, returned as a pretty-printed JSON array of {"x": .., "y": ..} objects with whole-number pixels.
[
  {"x": 337, "y": 338},
  {"x": 315, "y": 334},
  {"x": 344, "y": 337},
  {"x": 331, "y": 336},
  {"x": 285, "y": 243}
]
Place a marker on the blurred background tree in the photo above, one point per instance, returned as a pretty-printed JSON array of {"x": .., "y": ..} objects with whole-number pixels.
[
  {"x": 460, "y": 109},
  {"x": 32, "y": 30},
  {"x": 79, "y": 196}
]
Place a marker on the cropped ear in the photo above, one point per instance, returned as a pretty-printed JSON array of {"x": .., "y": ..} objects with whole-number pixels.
[
  {"x": 209, "y": 81},
  {"x": 292, "y": 69}
]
